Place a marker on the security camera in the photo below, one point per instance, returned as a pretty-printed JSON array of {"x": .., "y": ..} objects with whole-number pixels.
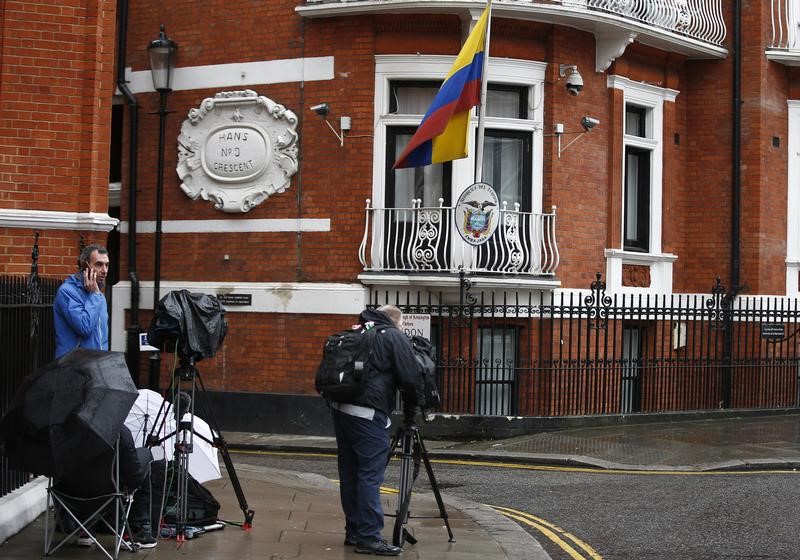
[
  {"x": 589, "y": 123},
  {"x": 322, "y": 109},
  {"x": 574, "y": 81}
]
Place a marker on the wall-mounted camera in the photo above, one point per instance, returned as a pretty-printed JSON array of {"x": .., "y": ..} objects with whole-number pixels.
[
  {"x": 589, "y": 123},
  {"x": 322, "y": 109},
  {"x": 574, "y": 81}
]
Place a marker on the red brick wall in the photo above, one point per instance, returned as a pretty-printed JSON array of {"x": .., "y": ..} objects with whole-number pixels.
[{"x": 56, "y": 84}]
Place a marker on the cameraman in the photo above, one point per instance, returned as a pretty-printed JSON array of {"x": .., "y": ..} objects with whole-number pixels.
[{"x": 362, "y": 436}]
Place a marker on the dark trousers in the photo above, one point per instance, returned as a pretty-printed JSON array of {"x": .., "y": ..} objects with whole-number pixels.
[{"x": 363, "y": 448}]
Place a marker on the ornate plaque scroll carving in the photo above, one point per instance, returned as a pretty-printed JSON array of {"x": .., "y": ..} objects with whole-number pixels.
[{"x": 236, "y": 150}]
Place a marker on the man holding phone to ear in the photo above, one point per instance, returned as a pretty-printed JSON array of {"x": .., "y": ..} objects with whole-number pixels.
[{"x": 80, "y": 310}]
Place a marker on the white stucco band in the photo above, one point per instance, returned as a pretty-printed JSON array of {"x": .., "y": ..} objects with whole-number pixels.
[
  {"x": 267, "y": 297},
  {"x": 42, "y": 219},
  {"x": 238, "y": 74},
  {"x": 660, "y": 271}
]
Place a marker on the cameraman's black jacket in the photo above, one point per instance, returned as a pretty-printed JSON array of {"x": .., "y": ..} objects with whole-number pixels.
[{"x": 393, "y": 366}]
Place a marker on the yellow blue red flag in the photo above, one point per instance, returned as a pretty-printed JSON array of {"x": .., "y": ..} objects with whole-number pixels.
[{"x": 442, "y": 134}]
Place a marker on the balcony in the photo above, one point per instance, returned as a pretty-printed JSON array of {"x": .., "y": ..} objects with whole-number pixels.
[
  {"x": 419, "y": 240},
  {"x": 694, "y": 28},
  {"x": 784, "y": 46}
]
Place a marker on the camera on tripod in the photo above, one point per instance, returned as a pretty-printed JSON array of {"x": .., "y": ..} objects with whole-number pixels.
[{"x": 193, "y": 325}]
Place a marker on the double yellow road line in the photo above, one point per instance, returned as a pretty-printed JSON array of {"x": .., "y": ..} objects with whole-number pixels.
[{"x": 561, "y": 538}]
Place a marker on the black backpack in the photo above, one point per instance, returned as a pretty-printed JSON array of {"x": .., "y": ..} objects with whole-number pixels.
[
  {"x": 346, "y": 364},
  {"x": 202, "y": 507},
  {"x": 426, "y": 358}
]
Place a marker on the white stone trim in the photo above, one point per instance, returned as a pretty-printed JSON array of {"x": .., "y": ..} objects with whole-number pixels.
[
  {"x": 238, "y": 74},
  {"x": 231, "y": 226},
  {"x": 660, "y": 271},
  {"x": 793, "y": 200},
  {"x": 45, "y": 219},
  {"x": 267, "y": 297},
  {"x": 653, "y": 98},
  {"x": 519, "y": 282},
  {"x": 21, "y": 506}
]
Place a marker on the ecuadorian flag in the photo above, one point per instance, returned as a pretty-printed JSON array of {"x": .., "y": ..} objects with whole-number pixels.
[{"x": 442, "y": 134}]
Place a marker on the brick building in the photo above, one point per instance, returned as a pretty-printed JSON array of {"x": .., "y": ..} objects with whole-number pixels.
[{"x": 644, "y": 192}]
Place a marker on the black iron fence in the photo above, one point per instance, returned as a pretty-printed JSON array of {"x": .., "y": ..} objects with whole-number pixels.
[
  {"x": 27, "y": 340},
  {"x": 592, "y": 353}
]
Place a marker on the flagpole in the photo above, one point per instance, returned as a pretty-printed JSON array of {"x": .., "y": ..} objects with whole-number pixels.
[{"x": 482, "y": 108}]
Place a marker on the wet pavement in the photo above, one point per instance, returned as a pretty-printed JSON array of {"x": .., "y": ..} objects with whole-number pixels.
[
  {"x": 298, "y": 514},
  {"x": 709, "y": 444},
  {"x": 713, "y": 444}
]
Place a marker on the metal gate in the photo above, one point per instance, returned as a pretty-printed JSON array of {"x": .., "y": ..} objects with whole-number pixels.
[
  {"x": 27, "y": 339},
  {"x": 587, "y": 352}
]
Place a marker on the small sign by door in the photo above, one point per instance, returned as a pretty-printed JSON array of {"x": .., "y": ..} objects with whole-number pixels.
[{"x": 773, "y": 331}]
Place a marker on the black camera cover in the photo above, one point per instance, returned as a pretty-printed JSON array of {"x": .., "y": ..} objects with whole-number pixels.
[{"x": 191, "y": 324}]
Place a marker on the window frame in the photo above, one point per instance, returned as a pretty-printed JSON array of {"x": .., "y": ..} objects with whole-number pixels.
[
  {"x": 427, "y": 68},
  {"x": 650, "y": 98}
]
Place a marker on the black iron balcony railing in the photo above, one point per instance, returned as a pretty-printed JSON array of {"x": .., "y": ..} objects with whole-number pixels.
[
  {"x": 697, "y": 20},
  {"x": 424, "y": 239}
]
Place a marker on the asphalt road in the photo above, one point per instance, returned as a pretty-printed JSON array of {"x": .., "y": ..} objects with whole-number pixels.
[{"x": 619, "y": 516}]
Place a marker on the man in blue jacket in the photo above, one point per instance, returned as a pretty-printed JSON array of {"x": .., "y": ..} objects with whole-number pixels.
[{"x": 80, "y": 310}]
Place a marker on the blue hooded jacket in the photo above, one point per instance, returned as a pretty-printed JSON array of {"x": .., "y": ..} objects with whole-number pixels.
[{"x": 80, "y": 318}]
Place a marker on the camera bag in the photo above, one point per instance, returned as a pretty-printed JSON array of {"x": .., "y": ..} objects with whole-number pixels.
[
  {"x": 425, "y": 354},
  {"x": 346, "y": 364}
]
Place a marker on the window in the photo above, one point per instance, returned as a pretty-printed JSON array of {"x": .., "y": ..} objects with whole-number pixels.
[
  {"x": 495, "y": 375},
  {"x": 405, "y": 86},
  {"x": 506, "y": 153},
  {"x": 631, "y": 389},
  {"x": 636, "y": 207},
  {"x": 642, "y": 166}
]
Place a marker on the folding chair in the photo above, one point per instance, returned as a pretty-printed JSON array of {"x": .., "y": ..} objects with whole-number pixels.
[{"x": 90, "y": 516}]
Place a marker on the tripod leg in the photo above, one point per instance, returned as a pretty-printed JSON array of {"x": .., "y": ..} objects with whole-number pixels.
[
  {"x": 406, "y": 484},
  {"x": 394, "y": 444},
  {"x": 183, "y": 447},
  {"x": 222, "y": 446},
  {"x": 434, "y": 486}
]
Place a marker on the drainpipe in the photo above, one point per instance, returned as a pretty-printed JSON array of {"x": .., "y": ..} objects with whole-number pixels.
[
  {"x": 133, "y": 328},
  {"x": 737, "y": 149},
  {"x": 736, "y": 192}
]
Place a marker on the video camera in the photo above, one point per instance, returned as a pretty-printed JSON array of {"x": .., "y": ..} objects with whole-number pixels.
[
  {"x": 425, "y": 354},
  {"x": 193, "y": 325}
]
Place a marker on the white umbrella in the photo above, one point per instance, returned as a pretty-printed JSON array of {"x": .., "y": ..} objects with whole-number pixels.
[
  {"x": 147, "y": 411},
  {"x": 203, "y": 460}
]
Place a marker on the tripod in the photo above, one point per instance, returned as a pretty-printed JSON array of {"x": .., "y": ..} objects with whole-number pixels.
[
  {"x": 413, "y": 452},
  {"x": 188, "y": 374}
]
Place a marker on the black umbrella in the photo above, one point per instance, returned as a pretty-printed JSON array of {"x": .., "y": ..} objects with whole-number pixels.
[{"x": 68, "y": 412}]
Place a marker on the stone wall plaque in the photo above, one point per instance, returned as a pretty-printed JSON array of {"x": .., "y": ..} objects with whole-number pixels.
[{"x": 236, "y": 150}]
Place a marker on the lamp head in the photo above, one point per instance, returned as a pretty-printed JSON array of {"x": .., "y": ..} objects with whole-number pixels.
[{"x": 162, "y": 51}]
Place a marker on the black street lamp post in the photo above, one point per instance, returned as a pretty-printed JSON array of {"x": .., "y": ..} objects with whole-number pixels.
[{"x": 162, "y": 62}]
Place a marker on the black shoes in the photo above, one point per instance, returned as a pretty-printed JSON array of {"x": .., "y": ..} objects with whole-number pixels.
[
  {"x": 144, "y": 538},
  {"x": 378, "y": 547},
  {"x": 349, "y": 541}
]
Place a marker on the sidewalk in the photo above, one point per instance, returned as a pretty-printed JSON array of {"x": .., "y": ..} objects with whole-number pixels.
[{"x": 298, "y": 515}]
